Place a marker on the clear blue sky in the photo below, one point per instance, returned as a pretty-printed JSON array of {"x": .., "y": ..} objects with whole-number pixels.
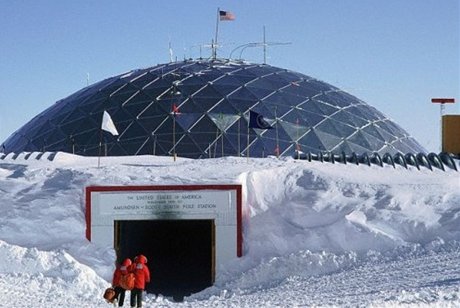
[{"x": 395, "y": 55}]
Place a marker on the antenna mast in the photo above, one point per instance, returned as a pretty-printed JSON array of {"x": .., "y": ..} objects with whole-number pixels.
[
  {"x": 214, "y": 43},
  {"x": 265, "y": 48},
  {"x": 170, "y": 52},
  {"x": 263, "y": 44}
]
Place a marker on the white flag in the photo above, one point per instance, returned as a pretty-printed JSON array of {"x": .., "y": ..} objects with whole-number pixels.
[{"x": 107, "y": 124}]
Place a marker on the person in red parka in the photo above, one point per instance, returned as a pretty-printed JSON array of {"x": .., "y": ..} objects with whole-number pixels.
[
  {"x": 120, "y": 271},
  {"x": 142, "y": 276}
]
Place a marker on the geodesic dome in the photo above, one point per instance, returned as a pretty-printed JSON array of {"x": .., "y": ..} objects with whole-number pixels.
[{"x": 212, "y": 100}]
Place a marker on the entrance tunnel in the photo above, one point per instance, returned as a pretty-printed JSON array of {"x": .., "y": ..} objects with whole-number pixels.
[{"x": 180, "y": 253}]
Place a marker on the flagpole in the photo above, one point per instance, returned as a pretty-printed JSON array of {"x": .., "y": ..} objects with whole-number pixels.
[
  {"x": 216, "y": 141},
  {"x": 214, "y": 51},
  {"x": 265, "y": 48},
  {"x": 247, "y": 149},
  {"x": 72, "y": 142},
  {"x": 277, "y": 140},
  {"x": 239, "y": 134},
  {"x": 100, "y": 148},
  {"x": 297, "y": 140},
  {"x": 174, "y": 136},
  {"x": 221, "y": 116}
]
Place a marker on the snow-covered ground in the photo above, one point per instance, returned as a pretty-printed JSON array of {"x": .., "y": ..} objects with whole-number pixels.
[{"x": 319, "y": 234}]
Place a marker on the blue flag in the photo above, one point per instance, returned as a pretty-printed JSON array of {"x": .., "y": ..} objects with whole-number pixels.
[{"x": 257, "y": 121}]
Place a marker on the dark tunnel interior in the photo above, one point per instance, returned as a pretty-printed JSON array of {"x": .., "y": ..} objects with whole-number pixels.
[{"x": 180, "y": 253}]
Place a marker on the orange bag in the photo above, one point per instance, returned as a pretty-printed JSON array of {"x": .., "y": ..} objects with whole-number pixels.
[
  {"x": 127, "y": 281},
  {"x": 109, "y": 295}
]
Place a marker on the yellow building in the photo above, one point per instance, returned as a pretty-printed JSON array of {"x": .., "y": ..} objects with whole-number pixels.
[{"x": 451, "y": 134}]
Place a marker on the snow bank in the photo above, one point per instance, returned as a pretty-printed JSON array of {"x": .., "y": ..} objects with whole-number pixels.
[
  {"x": 50, "y": 274},
  {"x": 319, "y": 208}
]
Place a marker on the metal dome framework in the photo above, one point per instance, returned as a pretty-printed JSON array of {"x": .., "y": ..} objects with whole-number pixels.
[{"x": 214, "y": 98}]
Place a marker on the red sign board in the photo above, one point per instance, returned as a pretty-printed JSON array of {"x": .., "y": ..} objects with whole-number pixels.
[{"x": 443, "y": 100}]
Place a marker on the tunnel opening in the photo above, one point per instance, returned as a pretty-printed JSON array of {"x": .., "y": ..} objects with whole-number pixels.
[{"x": 180, "y": 253}]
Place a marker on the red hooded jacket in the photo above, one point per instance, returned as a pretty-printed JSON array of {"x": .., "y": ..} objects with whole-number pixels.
[
  {"x": 121, "y": 270},
  {"x": 141, "y": 272}
]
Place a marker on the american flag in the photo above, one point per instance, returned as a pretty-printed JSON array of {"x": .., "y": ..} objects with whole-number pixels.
[{"x": 226, "y": 15}]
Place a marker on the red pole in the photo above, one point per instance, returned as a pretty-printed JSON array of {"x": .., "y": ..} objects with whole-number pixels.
[{"x": 441, "y": 102}]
